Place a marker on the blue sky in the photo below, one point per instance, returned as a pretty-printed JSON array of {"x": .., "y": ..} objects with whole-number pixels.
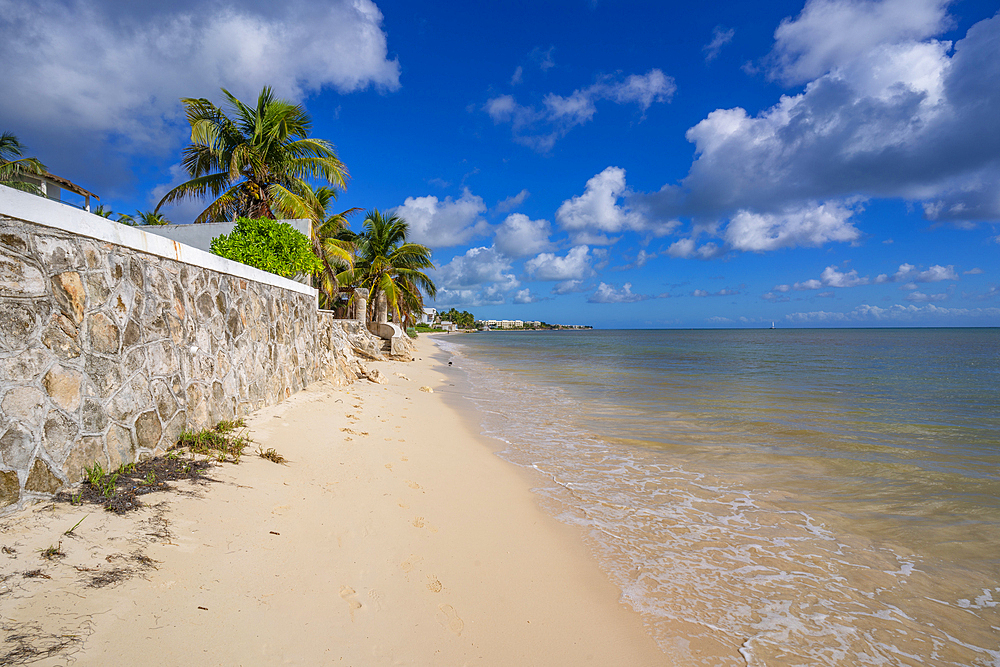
[{"x": 621, "y": 164}]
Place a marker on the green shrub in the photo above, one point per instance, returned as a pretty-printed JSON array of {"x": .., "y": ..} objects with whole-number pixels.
[{"x": 268, "y": 245}]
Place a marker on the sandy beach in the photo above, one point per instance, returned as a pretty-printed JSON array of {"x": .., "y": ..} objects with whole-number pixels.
[{"x": 393, "y": 536}]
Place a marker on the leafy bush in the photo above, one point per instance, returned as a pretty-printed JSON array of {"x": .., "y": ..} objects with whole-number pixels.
[{"x": 269, "y": 245}]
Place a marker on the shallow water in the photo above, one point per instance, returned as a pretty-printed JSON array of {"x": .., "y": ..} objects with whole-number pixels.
[{"x": 798, "y": 497}]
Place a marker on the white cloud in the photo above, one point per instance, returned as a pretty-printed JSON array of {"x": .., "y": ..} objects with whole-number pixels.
[
  {"x": 828, "y": 34},
  {"x": 478, "y": 266},
  {"x": 597, "y": 208},
  {"x": 76, "y": 71},
  {"x": 541, "y": 128},
  {"x": 441, "y": 224},
  {"x": 920, "y": 297},
  {"x": 568, "y": 287},
  {"x": 898, "y": 312},
  {"x": 524, "y": 296},
  {"x": 575, "y": 265},
  {"x": 686, "y": 248},
  {"x": 519, "y": 236},
  {"x": 831, "y": 277},
  {"x": 972, "y": 272},
  {"x": 609, "y": 294},
  {"x": 720, "y": 37},
  {"x": 480, "y": 276},
  {"x": 887, "y": 112},
  {"x": 518, "y": 76},
  {"x": 908, "y": 273},
  {"x": 601, "y": 210},
  {"x": 808, "y": 226},
  {"x": 512, "y": 202},
  {"x": 721, "y": 292}
]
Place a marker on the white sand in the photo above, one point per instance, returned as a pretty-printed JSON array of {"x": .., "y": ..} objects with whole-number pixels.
[{"x": 406, "y": 542}]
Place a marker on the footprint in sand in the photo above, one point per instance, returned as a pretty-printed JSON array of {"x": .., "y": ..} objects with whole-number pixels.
[
  {"x": 408, "y": 564},
  {"x": 348, "y": 594},
  {"x": 449, "y": 619},
  {"x": 418, "y": 522},
  {"x": 434, "y": 584},
  {"x": 403, "y": 458},
  {"x": 388, "y": 466},
  {"x": 412, "y": 485},
  {"x": 376, "y": 599}
]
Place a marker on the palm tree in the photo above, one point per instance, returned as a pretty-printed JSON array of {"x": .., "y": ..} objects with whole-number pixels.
[
  {"x": 252, "y": 160},
  {"x": 13, "y": 165},
  {"x": 332, "y": 239},
  {"x": 151, "y": 218},
  {"x": 386, "y": 263}
]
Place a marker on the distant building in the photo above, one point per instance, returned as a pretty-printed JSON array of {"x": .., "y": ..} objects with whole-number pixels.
[
  {"x": 448, "y": 326},
  {"x": 428, "y": 316}
]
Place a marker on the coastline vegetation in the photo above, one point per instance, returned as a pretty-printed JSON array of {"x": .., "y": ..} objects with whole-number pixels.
[
  {"x": 14, "y": 165},
  {"x": 268, "y": 245},
  {"x": 256, "y": 164}
]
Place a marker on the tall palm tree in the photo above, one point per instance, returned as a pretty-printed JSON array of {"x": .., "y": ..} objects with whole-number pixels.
[
  {"x": 252, "y": 160},
  {"x": 332, "y": 239},
  {"x": 386, "y": 263},
  {"x": 13, "y": 165}
]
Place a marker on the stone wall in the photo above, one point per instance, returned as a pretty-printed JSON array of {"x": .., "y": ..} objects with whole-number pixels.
[{"x": 107, "y": 352}]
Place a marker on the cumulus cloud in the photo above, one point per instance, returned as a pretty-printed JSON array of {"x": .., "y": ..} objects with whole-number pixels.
[
  {"x": 480, "y": 276},
  {"x": 444, "y": 223},
  {"x": 895, "y": 313},
  {"x": 920, "y": 297},
  {"x": 512, "y": 202},
  {"x": 908, "y": 273},
  {"x": 832, "y": 33},
  {"x": 887, "y": 111},
  {"x": 540, "y": 127},
  {"x": 972, "y": 272},
  {"x": 721, "y": 292},
  {"x": 568, "y": 287},
  {"x": 115, "y": 71},
  {"x": 524, "y": 296},
  {"x": 720, "y": 37},
  {"x": 597, "y": 209},
  {"x": 519, "y": 236},
  {"x": 686, "y": 248},
  {"x": 575, "y": 265},
  {"x": 808, "y": 226},
  {"x": 831, "y": 277},
  {"x": 602, "y": 210},
  {"x": 609, "y": 294}
]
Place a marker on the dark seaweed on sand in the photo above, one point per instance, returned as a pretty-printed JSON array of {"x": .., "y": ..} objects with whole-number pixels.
[{"x": 119, "y": 491}]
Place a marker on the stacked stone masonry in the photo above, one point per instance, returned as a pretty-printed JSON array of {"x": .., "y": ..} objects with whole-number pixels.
[{"x": 108, "y": 353}]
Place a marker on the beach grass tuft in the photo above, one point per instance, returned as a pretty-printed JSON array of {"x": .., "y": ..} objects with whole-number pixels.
[
  {"x": 53, "y": 551},
  {"x": 221, "y": 443}
]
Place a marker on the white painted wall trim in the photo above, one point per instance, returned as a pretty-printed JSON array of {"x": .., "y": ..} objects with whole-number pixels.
[{"x": 41, "y": 211}]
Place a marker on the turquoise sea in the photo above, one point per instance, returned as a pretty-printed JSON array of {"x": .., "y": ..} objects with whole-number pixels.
[{"x": 769, "y": 497}]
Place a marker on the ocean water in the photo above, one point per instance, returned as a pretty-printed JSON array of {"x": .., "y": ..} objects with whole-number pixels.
[{"x": 769, "y": 497}]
